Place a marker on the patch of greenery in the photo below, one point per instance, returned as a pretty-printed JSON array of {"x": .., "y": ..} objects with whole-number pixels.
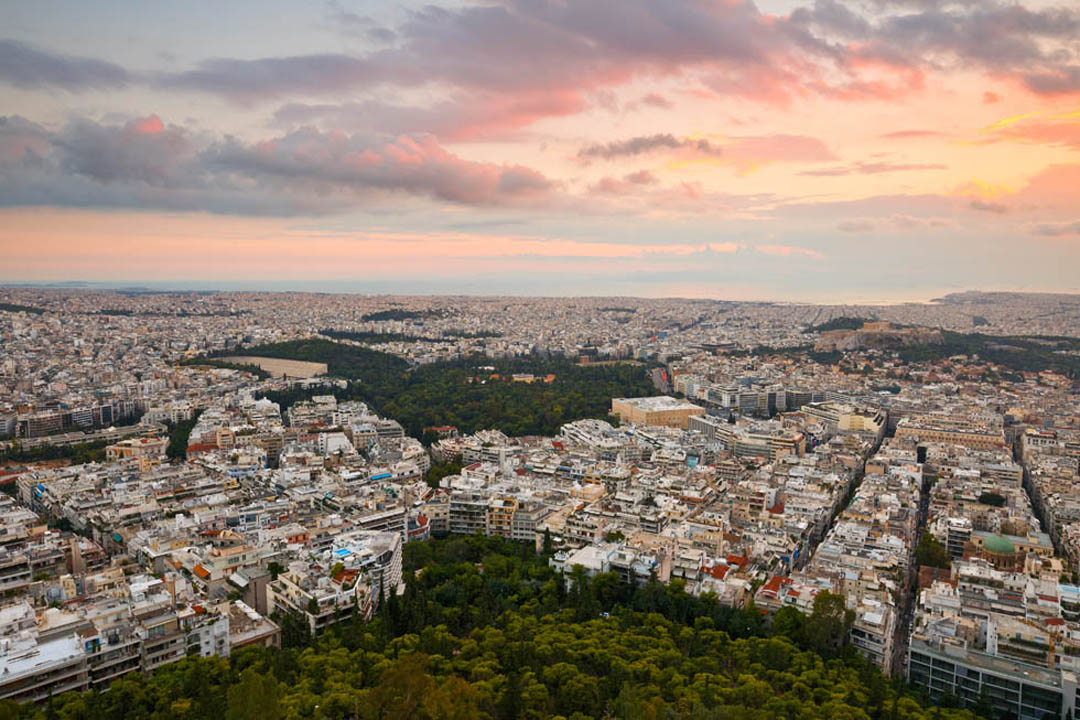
[
  {"x": 179, "y": 434},
  {"x": 344, "y": 361},
  {"x": 79, "y": 454},
  {"x": 1016, "y": 354},
  {"x": 399, "y": 315},
  {"x": 931, "y": 553},
  {"x": 489, "y": 631},
  {"x": 1019, "y": 354},
  {"x": 13, "y": 307},
  {"x": 462, "y": 394},
  {"x": 375, "y": 337},
  {"x": 438, "y": 471}
]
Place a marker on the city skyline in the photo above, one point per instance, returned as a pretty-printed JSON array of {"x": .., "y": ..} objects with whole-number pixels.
[{"x": 790, "y": 151}]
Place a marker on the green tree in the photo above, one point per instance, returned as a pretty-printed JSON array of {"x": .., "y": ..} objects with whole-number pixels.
[
  {"x": 931, "y": 553},
  {"x": 254, "y": 697},
  {"x": 826, "y": 630}
]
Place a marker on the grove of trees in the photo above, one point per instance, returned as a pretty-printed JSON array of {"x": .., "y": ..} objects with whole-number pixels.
[
  {"x": 489, "y": 631},
  {"x": 462, "y": 392}
]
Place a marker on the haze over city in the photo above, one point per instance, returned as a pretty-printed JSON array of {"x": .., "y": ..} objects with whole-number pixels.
[{"x": 824, "y": 151}]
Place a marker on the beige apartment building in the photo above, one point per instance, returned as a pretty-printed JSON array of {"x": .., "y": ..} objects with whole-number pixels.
[{"x": 951, "y": 430}]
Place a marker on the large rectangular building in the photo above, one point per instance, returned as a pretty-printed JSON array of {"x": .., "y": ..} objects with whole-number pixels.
[
  {"x": 659, "y": 410},
  {"x": 939, "y": 428},
  {"x": 1016, "y": 689}
]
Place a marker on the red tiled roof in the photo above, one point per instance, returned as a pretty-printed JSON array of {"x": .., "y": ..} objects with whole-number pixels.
[
  {"x": 718, "y": 571},
  {"x": 772, "y": 587}
]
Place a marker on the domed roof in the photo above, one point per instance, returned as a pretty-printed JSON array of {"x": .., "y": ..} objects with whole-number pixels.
[{"x": 999, "y": 545}]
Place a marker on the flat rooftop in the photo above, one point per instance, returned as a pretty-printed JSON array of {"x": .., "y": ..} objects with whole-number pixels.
[{"x": 659, "y": 402}]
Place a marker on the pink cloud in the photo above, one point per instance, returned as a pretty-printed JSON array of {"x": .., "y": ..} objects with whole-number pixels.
[
  {"x": 910, "y": 134},
  {"x": 1062, "y": 130},
  {"x": 627, "y": 184},
  {"x": 149, "y": 125},
  {"x": 1057, "y": 186},
  {"x": 465, "y": 117},
  {"x": 751, "y": 151},
  {"x": 146, "y": 163},
  {"x": 788, "y": 251}
]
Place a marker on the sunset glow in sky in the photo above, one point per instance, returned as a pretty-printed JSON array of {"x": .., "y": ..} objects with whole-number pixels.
[{"x": 824, "y": 151}]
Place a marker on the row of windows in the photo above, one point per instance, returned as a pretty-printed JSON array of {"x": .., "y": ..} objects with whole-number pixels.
[{"x": 939, "y": 676}]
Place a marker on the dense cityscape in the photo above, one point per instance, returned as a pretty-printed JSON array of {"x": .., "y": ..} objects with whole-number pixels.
[
  {"x": 193, "y": 474},
  {"x": 540, "y": 360}
]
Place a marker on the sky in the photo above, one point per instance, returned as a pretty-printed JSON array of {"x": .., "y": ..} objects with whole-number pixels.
[{"x": 827, "y": 151}]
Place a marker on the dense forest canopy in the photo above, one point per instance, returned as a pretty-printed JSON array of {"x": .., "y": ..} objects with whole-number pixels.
[
  {"x": 13, "y": 307},
  {"x": 488, "y": 630},
  {"x": 471, "y": 394},
  {"x": 371, "y": 337},
  {"x": 401, "y": 314}
]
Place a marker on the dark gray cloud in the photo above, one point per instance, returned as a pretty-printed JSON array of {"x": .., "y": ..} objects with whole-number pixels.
[
  {"x": 355, "y": 25},
  {"x": 27, "y": 67},
  {"x": 145, "y": 163},
  {"x": 1054, "y": 82},
  {"x": 1035, "y": 46},
  {"x": 303, "y": 75},
  {"x": 506, "y": 63},
  {"x": 646, "y": 144},
  {"x": 834, "y": 18},
  {"x": 509, "y": 47},
  {"x": 143, "y": 151}
]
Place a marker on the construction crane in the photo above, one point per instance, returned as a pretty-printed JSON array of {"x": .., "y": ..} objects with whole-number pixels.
[{"x": 1052, "y": 636}]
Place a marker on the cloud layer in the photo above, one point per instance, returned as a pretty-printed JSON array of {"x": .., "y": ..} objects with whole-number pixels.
[
  {"x": 147, "y": 163},
  {"x": 827, "y": 136}
]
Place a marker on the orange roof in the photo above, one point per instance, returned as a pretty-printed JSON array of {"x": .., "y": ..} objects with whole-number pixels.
[
  {"x": 718, "y": 571},
  {"x": 202, "y": 572},
  {"x": 773, "y": 586}
]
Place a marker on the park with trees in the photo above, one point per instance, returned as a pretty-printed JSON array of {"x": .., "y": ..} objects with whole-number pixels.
[
  {"x": 489, "y": 630},
  {"x": 471, "y": 394}
]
